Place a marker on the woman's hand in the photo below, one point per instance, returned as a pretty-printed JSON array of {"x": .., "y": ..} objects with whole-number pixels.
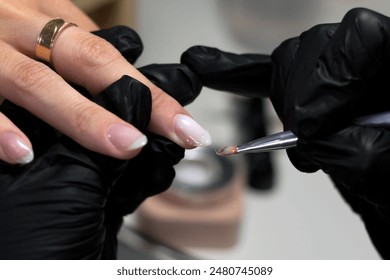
[
  {"x": 82, "y": 58},
  {"x": 83, "y": 193}
]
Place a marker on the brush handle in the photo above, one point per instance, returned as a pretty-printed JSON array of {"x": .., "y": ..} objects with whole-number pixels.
[
  {"x": 277, "y": 141},
  {"x": 287, "y": 139}
]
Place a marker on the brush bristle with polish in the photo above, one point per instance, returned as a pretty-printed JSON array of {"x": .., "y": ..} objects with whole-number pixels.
[{"x": 227, "y": 151}]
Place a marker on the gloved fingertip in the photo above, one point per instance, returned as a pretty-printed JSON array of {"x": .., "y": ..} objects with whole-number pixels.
[
  {"x": 300, "y": 162},
  {"x": 175, "y": 79},
  {"x": 197, "y": 57},
  {"x": 125, "y": 39},
  {"x": 190, "y": 134},
  {"x": 242, "y": 74}
]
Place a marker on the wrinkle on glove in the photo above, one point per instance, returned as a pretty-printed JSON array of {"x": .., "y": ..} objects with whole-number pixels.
[{"x": 125, "y": 40}]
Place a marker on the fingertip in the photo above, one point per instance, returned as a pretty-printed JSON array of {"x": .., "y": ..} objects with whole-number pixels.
[
  {"x": 188, "y": 133},
  {"x": 15, "y": 149},
  {"x": 169, "y": 119},
  {"x": 125, "y": 138}
]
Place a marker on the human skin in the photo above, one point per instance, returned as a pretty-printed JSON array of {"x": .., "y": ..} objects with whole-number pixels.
[{"x": 81, "y": 58}]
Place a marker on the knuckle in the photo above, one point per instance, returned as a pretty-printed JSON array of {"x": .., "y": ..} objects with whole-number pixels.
[
  {"x": 30, "y": 77},
  {"x": 158, "y": 95},
  {"x": 96, "y": 52},
  {"x": 163, "y": 101},
  {"x": 84, "y": 116}
]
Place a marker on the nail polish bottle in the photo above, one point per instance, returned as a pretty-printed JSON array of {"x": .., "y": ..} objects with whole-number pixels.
[{"x": 203, "y": 207}]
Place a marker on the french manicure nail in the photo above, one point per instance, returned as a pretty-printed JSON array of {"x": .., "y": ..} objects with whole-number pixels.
[
  {"x": 15, "y": 148},
  {"x": 126, "y": 139},
  {"x": 190, "y": 132}
]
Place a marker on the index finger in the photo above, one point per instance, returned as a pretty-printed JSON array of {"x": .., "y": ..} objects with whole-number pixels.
[
  {"x": 35, "y": 87},
  {"x": 93, "y": 63},
  {"x": 244, "y": 74}
]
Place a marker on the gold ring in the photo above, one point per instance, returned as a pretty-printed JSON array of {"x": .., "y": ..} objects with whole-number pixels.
[{"x": 48, "y": 36}]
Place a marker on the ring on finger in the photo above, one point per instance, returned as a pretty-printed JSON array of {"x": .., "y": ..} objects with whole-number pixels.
[{"x": 48, "y": 36}]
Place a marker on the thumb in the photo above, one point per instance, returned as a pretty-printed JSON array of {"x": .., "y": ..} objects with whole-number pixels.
[{"x": 243, "y": 74}]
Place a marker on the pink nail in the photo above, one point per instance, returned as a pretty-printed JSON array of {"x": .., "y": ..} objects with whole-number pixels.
[
  {"x": 125, "y": 138},
  {"x": 15, "y": 148},
  {"x": 190, "y": 132}
]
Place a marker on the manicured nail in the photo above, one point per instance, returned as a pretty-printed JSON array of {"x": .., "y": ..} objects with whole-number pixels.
[
  {"x": 15, "y": 148},
  {"x": 190, "y": 132},
  {"x": 125, "y": 138}
]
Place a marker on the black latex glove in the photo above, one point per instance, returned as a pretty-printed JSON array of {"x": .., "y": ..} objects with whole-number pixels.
[
  {"x": 335, "y": 73},
  {"x": 69, "y": 202},
  {"x": 320, "y": 82}
]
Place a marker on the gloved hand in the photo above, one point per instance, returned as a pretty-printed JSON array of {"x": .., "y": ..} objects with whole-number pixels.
[
  {"x": 69, "y": 202},
  {"x": 334, "y": 74},
  {"x": 320, "y": 81}
]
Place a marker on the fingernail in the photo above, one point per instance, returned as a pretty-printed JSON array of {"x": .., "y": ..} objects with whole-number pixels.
[
  {"x": 190, "y": 132},
  {"x": 125, "y": 138},
  {"x": 15, "y": 148}
]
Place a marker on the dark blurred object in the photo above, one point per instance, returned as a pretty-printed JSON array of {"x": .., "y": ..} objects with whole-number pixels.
[{"x": 252, "y": 124}]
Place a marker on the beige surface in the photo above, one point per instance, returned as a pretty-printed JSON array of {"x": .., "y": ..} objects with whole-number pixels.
[
  {"x": 89, "y": 5},
  {"x": 107, "y": 13}
]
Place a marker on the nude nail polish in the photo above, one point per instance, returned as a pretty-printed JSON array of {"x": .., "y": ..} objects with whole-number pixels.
[
  {"x": 15, "y": 148},
  {"x": 125, "y": 138},
  {"x": 190, "y": 132}
]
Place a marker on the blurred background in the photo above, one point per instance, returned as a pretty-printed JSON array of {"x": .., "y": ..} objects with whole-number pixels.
[{"x": 276, "y": 213}]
